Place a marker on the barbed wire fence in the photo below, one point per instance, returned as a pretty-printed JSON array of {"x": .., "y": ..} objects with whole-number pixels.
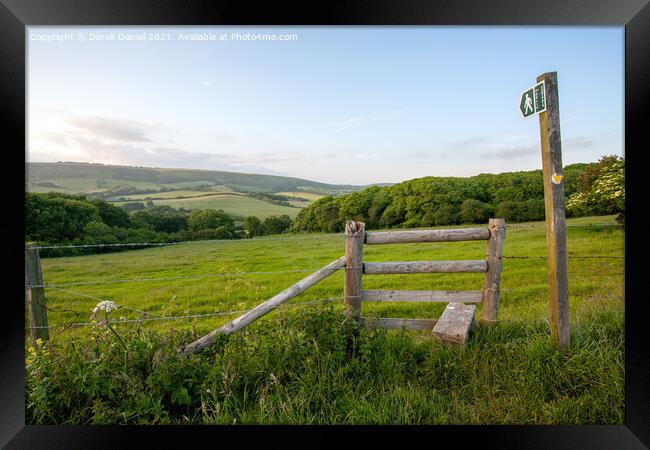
[
  {"x": 146, "y": 316},
  {"x": 269, "y": 239}
]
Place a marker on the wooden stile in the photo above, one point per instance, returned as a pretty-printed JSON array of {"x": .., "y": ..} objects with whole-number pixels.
[
  {"x": 353, "y": 294},
  {"x": 401, "y": 237},
  {"x": 455, "y": 323},
  {"x": 421, "y": 296},
  {"x": 381, "y": 268},
  {"x": 395, "y": 323}
]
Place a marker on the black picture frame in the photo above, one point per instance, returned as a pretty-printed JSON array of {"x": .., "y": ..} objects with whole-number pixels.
[{"x": 634, "y": 15}]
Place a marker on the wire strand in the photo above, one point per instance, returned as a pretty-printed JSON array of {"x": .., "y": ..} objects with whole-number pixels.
[
  {"x": 202, "y": 241},
  {"x": 190, "y": 316},
  {"x": 182, "y": 277}
]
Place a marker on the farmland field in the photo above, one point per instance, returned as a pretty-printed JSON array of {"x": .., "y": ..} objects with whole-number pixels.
[
  {"x": 306, "y": 195},
  {"x": 77, "y": 185},
  {"x": 165, "y": 195},
  {"x": 235, "y": 204},
  {"x": 509, "y": 373}
]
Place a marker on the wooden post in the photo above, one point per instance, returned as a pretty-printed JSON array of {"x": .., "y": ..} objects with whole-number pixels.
[
  {"x": 354, "y": 238},
  {"x": 549, "y": 127},
  {"x": 492, "y": 283},
  {"x": 35, "y": 294}
]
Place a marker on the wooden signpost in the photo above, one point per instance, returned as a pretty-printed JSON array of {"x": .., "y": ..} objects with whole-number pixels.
[{"x": 545, "y": 103}]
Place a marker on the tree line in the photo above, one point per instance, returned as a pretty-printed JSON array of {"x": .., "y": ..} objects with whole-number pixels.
[
  {"x": 65, "y": 219},
  {"x": 590, "y": 189}
]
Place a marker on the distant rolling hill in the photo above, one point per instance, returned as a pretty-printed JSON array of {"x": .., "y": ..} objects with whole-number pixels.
[
  {"x": 189, "y": 188},
  {"x": 241, "y": 182}
]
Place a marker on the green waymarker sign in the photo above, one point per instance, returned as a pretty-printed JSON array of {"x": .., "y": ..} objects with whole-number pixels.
[{"x": 533, "y": 100}]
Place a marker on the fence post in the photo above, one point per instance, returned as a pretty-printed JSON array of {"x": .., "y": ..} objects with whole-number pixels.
[
  {"x": 35, "y": 294},
  {"x": 492, "y": 283},
  {"x": 354, "y": 239}
]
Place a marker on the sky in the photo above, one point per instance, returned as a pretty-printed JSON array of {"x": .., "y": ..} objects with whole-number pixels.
[{"x": 344, "y": 105}]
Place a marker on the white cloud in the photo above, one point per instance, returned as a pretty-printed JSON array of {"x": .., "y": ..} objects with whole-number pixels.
[{"x": 349, "y": 123}]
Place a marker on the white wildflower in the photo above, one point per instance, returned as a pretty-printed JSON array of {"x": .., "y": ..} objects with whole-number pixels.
[{"x": 106, "y": 305}]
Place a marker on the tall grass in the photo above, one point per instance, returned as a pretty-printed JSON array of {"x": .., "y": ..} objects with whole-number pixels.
[{"x": 295, "y": 372}]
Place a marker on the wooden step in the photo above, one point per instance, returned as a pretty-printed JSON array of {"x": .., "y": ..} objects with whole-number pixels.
[{"x": 455, "y": 323}]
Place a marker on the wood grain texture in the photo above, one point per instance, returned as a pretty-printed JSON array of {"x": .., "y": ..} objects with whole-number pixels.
[
  {"x": 354, "y": 234},
  {"x": 35, "y": 296},
  {"x": 266, "y": 307},
  {"x": 492, "y": 282},
  {"x": 401, "y": 237},
  {"x": 551, "y": 143},
  {"x": 396, "y": 323},
  {"x": 381, "y": 268},
  {"x": 455, "y": 323},
  {"x": 421, "y": 296}
]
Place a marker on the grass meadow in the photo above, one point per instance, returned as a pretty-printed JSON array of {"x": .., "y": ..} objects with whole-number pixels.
[
  {"x": 233, "y": 204},
  {"x": 290, "y": 366}
]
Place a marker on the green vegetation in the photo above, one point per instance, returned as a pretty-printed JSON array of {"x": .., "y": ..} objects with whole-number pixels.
[
  {"x": 290, "y": 368},
  {"x": 161, "y": 195},
  {"x": 601, "y": 189},
  {"x": 88, "y": 185},
  {"x": 271, "y": 225},
  {"x": 594, "y": 189},
  {"x": 309, "y": 196},
  {"x": 234, "y": 204},
  {"x": 65, "y": 219}
]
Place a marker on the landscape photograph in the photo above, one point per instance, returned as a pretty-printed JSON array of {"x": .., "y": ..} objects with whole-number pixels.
[{"x": 281, "y": 225}]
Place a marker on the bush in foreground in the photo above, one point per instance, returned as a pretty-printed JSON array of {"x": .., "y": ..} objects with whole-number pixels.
[{"x": 291, "y": 369}]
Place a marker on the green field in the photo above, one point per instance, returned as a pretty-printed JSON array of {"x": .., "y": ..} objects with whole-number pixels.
[
  {"x": 165, "y": 195},
  {"x": 88, "y": 185},
  {"x": 289, "y": 367},
  {"x": 235, "y": 204},
  {"x": 306, "y": 195}
]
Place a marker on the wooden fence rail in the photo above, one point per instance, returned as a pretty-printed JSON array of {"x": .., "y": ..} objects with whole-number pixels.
[
  {"x": 457, "y": 318},
  {"x": 266, "y": 307},
  {"x": 403, "y": 237},
  {"x": 422, "y": 296},
  {"x": 386, "y": 268}
]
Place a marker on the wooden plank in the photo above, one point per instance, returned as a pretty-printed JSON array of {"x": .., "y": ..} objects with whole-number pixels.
[
  {"x": 354, "y": 233},
  {"x": 266, "y": 307},
  {"x": 455, "y": 323},
  {"x": 492, "y": 283},
  {"x": 35, "y": 294},
  {"x": 421, "y": 296},
  {"x": 381, "y": 268},
  {"x": 549, "y": 127},
  {"x": 395, "y": 323},
  {"x": 401, "y": 237}
]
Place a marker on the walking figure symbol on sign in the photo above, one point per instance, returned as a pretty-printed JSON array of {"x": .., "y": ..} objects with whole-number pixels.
[
  {"x": 529, "y": 104},
  {"x": 533, "y": 100}
]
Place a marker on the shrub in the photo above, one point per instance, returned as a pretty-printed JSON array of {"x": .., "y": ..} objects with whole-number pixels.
[
  {"x": 446, "y": 214},
  {"x": 474, "y": 211}
]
